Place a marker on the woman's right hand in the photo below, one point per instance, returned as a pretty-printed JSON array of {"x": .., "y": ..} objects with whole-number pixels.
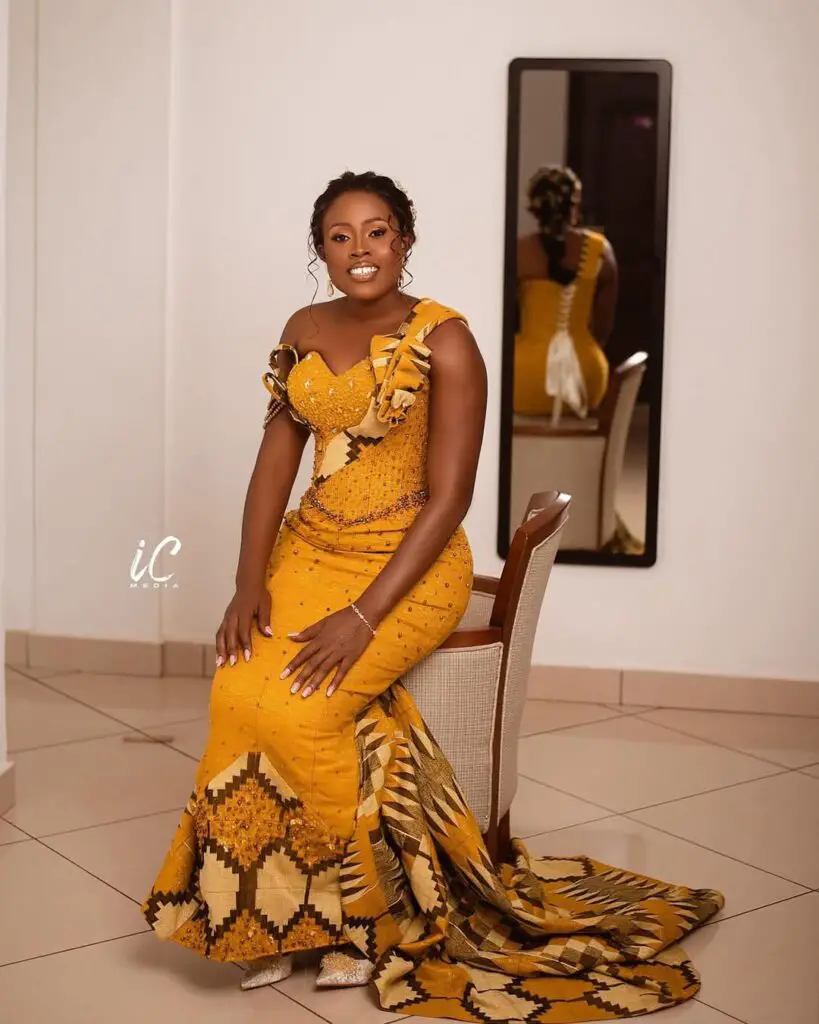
[{"x": 233, "y": 636}]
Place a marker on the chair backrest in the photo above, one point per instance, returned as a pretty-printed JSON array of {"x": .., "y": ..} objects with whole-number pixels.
[
  {"x": 615, "y": 421},
  {"x": 516, "y": 611}
]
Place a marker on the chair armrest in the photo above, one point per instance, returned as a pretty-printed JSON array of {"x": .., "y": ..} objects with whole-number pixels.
[
  {"x": 479, "y": 637},
  {"x": 485, "y": 584}
]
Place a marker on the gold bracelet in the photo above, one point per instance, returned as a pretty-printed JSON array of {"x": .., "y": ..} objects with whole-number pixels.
[{"x": 356, "y": 609}]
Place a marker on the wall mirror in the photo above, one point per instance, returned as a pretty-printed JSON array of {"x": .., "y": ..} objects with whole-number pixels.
[{"x": 584, "y": 296}]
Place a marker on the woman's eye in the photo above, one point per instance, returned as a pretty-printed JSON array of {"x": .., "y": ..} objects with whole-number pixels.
[
  {"x": 378, "y": 232},
  {"x": 340, "y": 238}
]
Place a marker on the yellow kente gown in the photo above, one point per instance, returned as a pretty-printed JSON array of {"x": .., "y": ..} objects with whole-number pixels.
[
  {"x": 317, "y": 822},
  {"x": 546, "y": 308}
]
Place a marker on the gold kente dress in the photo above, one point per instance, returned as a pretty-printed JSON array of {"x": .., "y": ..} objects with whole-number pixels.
[
  {"x": 549, "y": 309},
  {"x": 320, "y": 822}
]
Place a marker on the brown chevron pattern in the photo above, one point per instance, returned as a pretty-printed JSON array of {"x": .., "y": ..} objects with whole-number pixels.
[{"x": 543, "y": 940}]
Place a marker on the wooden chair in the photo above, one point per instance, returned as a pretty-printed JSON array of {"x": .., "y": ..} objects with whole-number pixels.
[
  {"x": 583, "y": 457},
  {"x": 471, "y": 690}
]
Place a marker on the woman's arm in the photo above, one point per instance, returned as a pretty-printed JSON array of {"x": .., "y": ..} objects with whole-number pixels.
[
  {"x": 267, "y": 495},
  {"x": 605, "y": 297},
  {"x": 456, "y": 420}
]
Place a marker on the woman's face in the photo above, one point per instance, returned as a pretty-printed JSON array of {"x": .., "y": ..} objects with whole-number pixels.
[{"x": 362, "y": 249}]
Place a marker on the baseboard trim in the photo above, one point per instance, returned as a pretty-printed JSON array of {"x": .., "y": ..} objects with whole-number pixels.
[
  {"x": 703, "y": 691},
  {"x": 690, "y": 690},
  {"x": 114, "y": 657},
  {"x": 6, "y": 787}
]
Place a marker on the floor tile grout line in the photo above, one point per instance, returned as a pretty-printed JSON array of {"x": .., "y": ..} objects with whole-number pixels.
[
  {"x": 107, "y": 735},
  {"x": 734, "y": 711},
  {"x": 752, "y": 910},
  {"x": 708, "y": 792},
  {"x": 67, "y": 743},
  {"x": 293, "y": 999},
  {"x": 71, "y": 949},
  {"x": 85, "y": 704},
  {"x": 106, "y": 714},
  {"x": 668, "y": 728},
  {"x": 89, "y": 872},
  {"x": 615, "y": 715},
  {"x": 728, "y": 856},
  {"x": 629, "y": 814},
  {"x": 557, "y": 789},
  {"x": 713, "y": 743},
  {"x": 660, "y": 803},
  {"x": 563, "y": 828},
  {"x": 716, "y": 1009},
  {"x": 99, "y": 824}
]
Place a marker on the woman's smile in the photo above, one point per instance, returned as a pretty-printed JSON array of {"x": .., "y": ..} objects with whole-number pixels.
[{"x": 363, "y": 271}]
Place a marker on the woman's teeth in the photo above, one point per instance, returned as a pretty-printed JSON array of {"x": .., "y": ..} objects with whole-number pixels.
[{"x": 362, "y": 273}]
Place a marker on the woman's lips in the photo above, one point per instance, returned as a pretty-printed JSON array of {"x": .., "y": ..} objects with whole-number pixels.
[{"x": 364, "y": 272}]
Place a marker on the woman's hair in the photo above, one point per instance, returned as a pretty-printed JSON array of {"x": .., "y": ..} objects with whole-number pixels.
[
  {"x": 553, "y": 192},
  {"x": 379, "y": 185}
]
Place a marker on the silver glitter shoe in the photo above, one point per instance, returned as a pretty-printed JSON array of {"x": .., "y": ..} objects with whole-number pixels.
[
  {"x": 268, "y": 970},
  {"x": 340, "y": 970}
]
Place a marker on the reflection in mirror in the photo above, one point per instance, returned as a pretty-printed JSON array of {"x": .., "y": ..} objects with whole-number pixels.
[{"x": 586, "y": 215}]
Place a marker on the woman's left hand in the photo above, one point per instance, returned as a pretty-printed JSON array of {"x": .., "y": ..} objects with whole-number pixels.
[{"x": 336, "y": 641}]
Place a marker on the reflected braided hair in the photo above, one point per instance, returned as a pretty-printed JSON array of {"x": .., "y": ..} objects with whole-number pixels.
[
  {"x": 380, "y": 185},
  {"x": 553, "y": 192}
]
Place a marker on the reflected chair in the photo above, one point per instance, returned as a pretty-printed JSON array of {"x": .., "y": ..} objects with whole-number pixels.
[
  {"x": 471, "y": 690},
  {"x": 583, "y": 457}
]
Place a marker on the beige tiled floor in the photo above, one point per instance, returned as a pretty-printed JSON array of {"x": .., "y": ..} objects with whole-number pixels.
[{"x": 721, "y": 800}]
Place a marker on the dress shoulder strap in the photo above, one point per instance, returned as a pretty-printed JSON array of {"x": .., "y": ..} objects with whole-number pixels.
[
  {"x": 401, "y": 360},
  {"x": 591, "y": 259}
]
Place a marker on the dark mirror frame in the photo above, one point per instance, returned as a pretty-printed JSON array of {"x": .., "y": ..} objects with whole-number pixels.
[{"x": 662, "y": 69}]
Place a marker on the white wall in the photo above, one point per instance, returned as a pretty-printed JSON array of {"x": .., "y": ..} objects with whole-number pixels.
[
  {"x": 19, "y": 281},
  {"x": 544, "y": 108},
  {"x": 267, "y": 102},
  {"x": 4, "y": 77},
  {"x": 98, "y": 277}
]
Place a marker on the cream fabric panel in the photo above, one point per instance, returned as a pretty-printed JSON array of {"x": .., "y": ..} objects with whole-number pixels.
[
  {"x": 520, "y": 659},
  {"x": 456, "y": 693},
  {"x": 478, "y": 611},
  {"x": 616, "y": 451}
]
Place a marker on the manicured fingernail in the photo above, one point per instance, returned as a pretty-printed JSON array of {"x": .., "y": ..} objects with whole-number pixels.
[
  {"x": 294, "y": 688},
  {"x": 291, "y": 635},
  {"x": 267, "y": 631},
  {"x": 233, "y": 659},
  {"x": 247, "y": 654},
  {"x": 285, "y": 674},
  {"x": 307, "y": 692},
  {"x": 220, "y": 661}
]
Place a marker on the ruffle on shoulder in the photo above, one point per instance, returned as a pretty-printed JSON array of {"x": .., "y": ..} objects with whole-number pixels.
[
  {"x": 401, "y": 361},
  {"x": 401, "y": 368},
  {"x": 276, "y": 386}
]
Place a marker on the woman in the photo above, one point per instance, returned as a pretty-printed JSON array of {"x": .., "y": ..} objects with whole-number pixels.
[
  {"x": 567, "y": 294},
  {"x": 324, "y": 816}
]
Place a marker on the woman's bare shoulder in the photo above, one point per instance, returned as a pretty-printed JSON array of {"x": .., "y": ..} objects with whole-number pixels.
[{"x": 306, "y": 324}]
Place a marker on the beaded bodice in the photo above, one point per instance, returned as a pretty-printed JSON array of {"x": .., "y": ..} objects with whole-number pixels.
[{"x": 370, "y": 427}]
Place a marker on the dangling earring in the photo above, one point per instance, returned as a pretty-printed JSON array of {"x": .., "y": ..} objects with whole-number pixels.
[
  {"x": 330, "y": 289},
  {"x": 401, "y": 278}
]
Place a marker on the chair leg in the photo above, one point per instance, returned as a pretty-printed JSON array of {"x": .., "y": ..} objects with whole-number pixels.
[
  {"x": 498, "y": 840},
  {"x": 504, "y": 851},
  {"x": 490, "y": 838}
]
